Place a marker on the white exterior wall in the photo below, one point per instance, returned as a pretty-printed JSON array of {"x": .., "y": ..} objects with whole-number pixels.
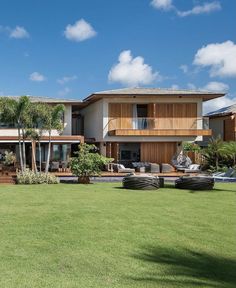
[
  {"x": 67, "y": 120},
  {"x": 93, "y": 120}
]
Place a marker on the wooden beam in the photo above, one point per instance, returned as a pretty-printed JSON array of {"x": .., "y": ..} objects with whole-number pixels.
[{"x": 162, "y": 132}]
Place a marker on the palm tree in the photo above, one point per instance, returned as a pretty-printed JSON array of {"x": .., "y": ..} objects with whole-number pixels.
[
  {"x": 229, "y": 151},
  {"x": 54, "y": 120},
  {"x": 213, "y": 153},
  {"x": 39, "y": 112},
  {"x": 17, "y": 112}
]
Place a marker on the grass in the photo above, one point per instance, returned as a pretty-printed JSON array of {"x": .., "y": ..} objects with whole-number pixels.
[{"x": 102, "y": 236}]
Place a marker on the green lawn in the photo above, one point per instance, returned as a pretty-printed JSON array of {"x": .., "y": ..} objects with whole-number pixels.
[{"x": 102, "y": 236}]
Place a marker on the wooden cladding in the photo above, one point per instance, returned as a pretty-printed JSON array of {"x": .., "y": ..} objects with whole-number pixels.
[
  {"x": 120, "y": 115},
  {"x": 158, "y": 152},
  {"x": 161, "y": 132},
  {"x": 160, "y": 116},
  {"x": 230, "y": 128},
  {"x": 176, "y": 116}
]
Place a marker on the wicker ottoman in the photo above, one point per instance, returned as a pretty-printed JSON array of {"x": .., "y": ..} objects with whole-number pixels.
[
  {"x": 195, "y": 183},
  {"x": 141, "y": 182}
]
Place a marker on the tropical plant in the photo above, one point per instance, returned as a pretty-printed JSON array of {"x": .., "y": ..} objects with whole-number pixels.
[
  {"x": 215, "y": 154},
  {"x": 36, "y": 129},
  {"x": 229, "y": 151},
  {"x": 53, "y": 120},
  {"x": 191, "y": 147},
  {"x": 87, "y": 163},
  {"x": 17, "y": 112},
  {"x": 9, "y": 158}
]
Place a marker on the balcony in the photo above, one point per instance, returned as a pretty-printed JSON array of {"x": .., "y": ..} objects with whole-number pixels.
[{"x": 159, "y": 127}]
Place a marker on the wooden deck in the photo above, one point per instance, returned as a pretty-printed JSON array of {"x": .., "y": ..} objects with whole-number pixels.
[
  {"x": 10, "y": 178},
  {"x": 115, "y": 174}
]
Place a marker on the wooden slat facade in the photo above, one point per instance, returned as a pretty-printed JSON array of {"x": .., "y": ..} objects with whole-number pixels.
[
  {"x": 158, "y": 152},
  {"x": 165, "y": 116},
  {"x": 230, "y": 128},
  {"x": 120, "y": 115}
]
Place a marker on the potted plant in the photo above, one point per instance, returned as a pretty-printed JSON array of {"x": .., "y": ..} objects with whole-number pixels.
[
  {"x": 9, "y": 160},
  {"x": 87, "y": 163}
]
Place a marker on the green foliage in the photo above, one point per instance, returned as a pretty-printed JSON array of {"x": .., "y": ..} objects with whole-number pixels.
[
  {"x": 9, "y": 159},
  {"x": 54, "y": 117},
  {"x": 191, "y": 147},
  {"x": 229, "y": 151},
  {"x": 219, "y": 155},
  {"x": 88, "y": 162},
  {"x": 30, "y": 177}
]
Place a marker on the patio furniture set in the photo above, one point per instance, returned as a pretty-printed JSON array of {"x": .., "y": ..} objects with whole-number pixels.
[
  {"x": 56, "y": 166},
  {"x": 142, "y": 167}
]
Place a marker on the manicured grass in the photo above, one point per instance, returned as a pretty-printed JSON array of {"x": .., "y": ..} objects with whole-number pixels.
[{"x": 102, "y": 236}]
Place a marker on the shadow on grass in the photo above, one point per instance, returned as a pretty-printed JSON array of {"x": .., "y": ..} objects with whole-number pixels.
[{"x": 187, "y": 267}]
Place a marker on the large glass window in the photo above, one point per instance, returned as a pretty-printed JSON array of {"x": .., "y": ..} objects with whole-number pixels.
[{"x": 61, "y": 152}]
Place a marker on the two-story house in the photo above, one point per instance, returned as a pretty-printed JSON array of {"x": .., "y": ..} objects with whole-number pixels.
[
  {"x": 129, "y": 125},
  {"x": 145, "y": 124}
]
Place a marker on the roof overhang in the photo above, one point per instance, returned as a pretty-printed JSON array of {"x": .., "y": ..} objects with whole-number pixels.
[
  {"x": 45, "y": 139},
  {"x": 205, "y": 97}
]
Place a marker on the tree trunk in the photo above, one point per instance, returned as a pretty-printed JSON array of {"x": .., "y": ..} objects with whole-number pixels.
[
  {"x": 20, "y": 151},
  {"x": 49, "y": 153},
  {"x": 84, "y": 179},
  {"x": 40, "y": 157},
  {"x": 24, "y": 156},
  {"x": 33, "y": 145}
]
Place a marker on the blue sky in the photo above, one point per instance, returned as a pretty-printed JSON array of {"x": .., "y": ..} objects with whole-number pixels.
[{"x": 71, "y": 48}]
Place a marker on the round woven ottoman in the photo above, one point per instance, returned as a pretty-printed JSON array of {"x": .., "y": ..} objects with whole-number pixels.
[
  {"x": 195, "y": 183},
  {"x": 141, "y": 182}
]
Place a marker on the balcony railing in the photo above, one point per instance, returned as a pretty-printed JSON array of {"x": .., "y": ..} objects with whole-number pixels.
[{"x": 148, "y": 123}]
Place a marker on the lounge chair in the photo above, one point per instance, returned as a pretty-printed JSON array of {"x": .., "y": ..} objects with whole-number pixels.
[
  {"x": 122, "y": 169},
  {"x": 193, "y": 168},
  {"x": 229, "y": 175}
]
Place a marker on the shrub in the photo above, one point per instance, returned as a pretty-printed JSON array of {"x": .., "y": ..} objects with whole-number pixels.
[
  {"x": 87, "y": 163},
  {"x": 9, "y": 158},
  {"x": 30, "y": 177}
]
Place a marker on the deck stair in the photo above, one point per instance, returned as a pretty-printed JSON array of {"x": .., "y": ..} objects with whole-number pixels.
[{"x": 7, "y": 179}]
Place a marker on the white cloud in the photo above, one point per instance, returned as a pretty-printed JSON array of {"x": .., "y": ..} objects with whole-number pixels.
[
  {"x": 37, "y": 77},
  {"x": 19, "y": 33},
  {"x": 184, "y": 68},
  {"x": 205, "y": 8},
  {"x": 162, "y": 4},
  {"x": 221, "y": 57},
  {"x": 217, "y": 103},
  {"x": 64, "y": 92},
  {"x": 66, "y": 79},
  {"x": 215, "y": 86},
  {"x": 132, "y": 71},
  {"x": 80, "y": 31}
]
